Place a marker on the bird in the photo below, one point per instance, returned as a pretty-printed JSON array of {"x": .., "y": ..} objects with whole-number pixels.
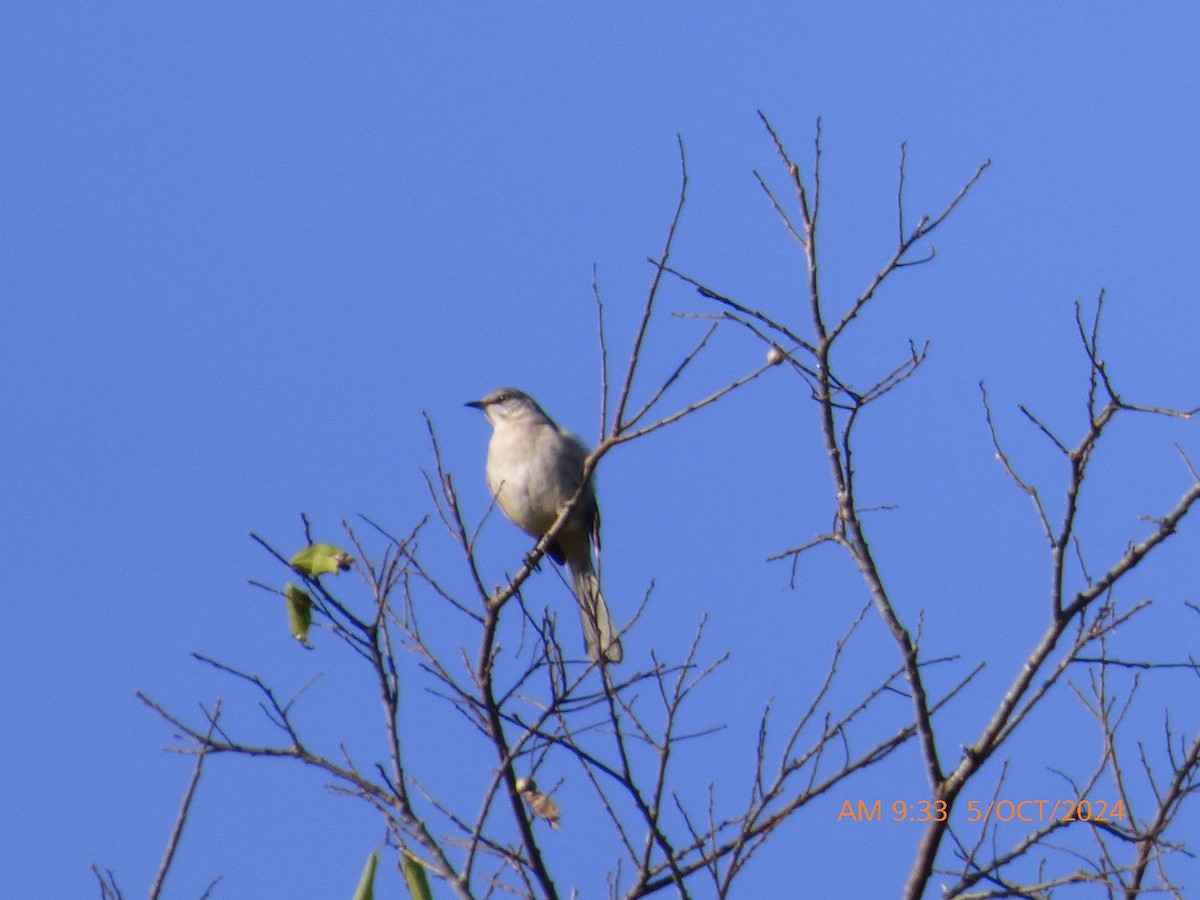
[
  {"x": 543, "y": 806},
  {"x": 534, "y": 468}
]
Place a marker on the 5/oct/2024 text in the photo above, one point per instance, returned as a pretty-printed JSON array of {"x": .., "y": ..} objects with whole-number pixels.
[{"x": 1033, "y": 810}]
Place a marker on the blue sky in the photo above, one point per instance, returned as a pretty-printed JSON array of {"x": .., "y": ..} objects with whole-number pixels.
[{"x": 242, "y": 248}]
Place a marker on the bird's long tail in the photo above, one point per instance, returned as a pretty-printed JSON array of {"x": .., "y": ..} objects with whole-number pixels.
[{"x": 599, "y": 632}]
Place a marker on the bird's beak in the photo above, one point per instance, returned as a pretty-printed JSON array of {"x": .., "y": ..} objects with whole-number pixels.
[{"x": 477, "y": 404}]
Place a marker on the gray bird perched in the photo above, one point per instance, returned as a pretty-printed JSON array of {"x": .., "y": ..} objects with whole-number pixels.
[{"x": 534, "y": 469}]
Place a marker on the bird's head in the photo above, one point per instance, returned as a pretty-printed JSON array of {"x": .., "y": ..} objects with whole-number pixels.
[{"x": 509, "y": 404}]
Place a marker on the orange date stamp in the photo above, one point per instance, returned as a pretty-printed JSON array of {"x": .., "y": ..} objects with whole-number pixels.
[{"x": 1031, "y": 810}]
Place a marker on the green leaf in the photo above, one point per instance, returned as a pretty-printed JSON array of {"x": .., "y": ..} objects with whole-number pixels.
[
  {"x": 321, "y": 559},
  {"x": 414, "y": 874},
  {"x": 299, "y": 605},
  {"x": 366, "y": 884}
]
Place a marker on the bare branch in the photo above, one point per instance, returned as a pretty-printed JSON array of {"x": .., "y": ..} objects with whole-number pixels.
[{"x": 185, "y": 808}]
